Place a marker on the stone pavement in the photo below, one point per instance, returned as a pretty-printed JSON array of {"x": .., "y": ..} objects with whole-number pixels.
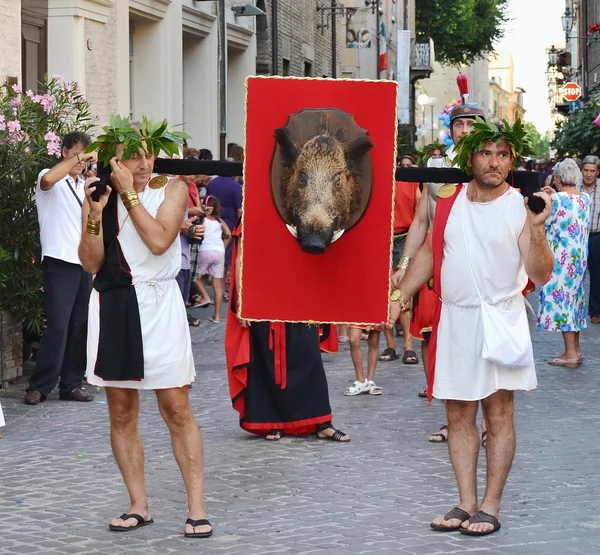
[{"x": 59, "y": 485}]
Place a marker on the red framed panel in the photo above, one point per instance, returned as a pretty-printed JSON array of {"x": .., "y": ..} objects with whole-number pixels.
[{"x": 350, "y": 281}]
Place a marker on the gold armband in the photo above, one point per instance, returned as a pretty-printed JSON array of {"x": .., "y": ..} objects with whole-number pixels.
[
  {"x": 396, "y": 296},
  {"x": 130, "y": 199},
  {"x": 93, "y": 226},
  {"x": 403, "y": 263}
]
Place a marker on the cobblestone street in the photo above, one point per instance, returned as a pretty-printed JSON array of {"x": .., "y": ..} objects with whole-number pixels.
[{"x": 59, "y": 484}]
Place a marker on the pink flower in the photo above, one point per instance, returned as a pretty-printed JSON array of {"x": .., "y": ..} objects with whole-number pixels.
[
  {"x": 14, "y": 126},
  {"x": 17, "y": 89},
  {"x": 27, "y": 149},
  {"x": 2, "y": 126},
  {"x": 51, "y": 136},
  {"x": 30, "y": 94}
]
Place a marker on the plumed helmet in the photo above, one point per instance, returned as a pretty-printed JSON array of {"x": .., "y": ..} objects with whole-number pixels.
[{"x": 470, "y": 110}]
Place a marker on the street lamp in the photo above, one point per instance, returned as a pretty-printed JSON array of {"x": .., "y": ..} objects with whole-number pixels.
[
  {"x": 567, "y": 22},
  {"x": 552, "y": 56},
  {"x": 432, "y": 102}
]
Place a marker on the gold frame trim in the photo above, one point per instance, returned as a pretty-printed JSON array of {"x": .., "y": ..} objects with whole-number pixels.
[{"x": 239, "y": 286}]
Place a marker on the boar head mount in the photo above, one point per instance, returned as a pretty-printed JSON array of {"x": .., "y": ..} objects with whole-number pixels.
[{"x": 321, "y": 175}]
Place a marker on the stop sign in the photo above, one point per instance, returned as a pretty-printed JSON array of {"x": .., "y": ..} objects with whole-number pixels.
[{"x": 571, "y": 92}]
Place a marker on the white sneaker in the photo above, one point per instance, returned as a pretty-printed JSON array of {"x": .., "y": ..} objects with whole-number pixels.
[
  {"x": 375, "y": 389},
  {"x": 358, "y": 388}
]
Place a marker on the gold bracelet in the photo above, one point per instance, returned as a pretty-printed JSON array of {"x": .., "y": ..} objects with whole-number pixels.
[
  {"x": 397, "y": 296},
  {"x": 130, "y": 199},
  {"x": 403, "y": 263},
  {"x": 93, "y": 226}
]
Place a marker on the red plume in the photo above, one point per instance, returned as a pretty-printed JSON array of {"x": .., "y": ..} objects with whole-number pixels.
[{"x": 463, "y": 85}]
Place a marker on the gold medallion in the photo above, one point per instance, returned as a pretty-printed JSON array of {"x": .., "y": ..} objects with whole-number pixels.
[
  {"x": 158, "y": 182},
  {"x": 446, "y": 191}
]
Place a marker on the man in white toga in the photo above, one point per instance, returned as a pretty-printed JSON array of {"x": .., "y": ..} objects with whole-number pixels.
[{"x": 486, "y": 241}]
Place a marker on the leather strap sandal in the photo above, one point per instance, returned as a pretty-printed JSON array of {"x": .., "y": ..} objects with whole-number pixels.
[
  {"x": 124, "y": 517},
  {"x": 443, "y": 437},
  {"x": 277, "y": 435},
  {"x": 193, "y": 524},
  {"x": 336, "y": 436},
  {"x": 455, "y": 514},
  {"x": 478, "y": 518}
]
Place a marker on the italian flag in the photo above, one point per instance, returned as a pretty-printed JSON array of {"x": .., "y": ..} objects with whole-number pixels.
[{"x": 383, "y": 57}]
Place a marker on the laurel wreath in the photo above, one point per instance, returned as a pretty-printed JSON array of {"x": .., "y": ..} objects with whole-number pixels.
[
  {"x": 486, "y": 132},
  {"x": 152, "y": 137}
]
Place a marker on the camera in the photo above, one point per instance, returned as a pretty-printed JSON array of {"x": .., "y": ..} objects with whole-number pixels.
[
  {"x": 192, "y": 231},
  {"x": 104, "y": 176}
]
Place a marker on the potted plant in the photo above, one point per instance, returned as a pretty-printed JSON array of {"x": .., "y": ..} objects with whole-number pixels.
[{"x": 31, "y": 128}]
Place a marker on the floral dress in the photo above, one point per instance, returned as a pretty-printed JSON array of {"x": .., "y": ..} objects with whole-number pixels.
[{"x": 562, "y": 299}]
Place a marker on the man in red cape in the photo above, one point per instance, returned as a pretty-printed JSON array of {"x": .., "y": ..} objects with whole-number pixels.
[{"x": 276, "y": 377}]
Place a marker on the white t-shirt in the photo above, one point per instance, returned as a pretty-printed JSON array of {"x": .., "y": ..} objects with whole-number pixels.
[
  {"x": 59, "y": 216},
  {"x": 213, "y": 236}
]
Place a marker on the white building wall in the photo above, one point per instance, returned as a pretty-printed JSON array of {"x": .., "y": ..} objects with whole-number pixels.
[
  {"x": 10, "y": 31},
  {"x": 174, "y": 67}
]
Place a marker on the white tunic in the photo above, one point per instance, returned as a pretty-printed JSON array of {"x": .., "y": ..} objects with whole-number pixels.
[
  {"x": 493, "y": 230},
  {"x": 168, "y": 359}
]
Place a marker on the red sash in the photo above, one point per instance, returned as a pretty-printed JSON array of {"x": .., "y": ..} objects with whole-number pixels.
[{"x": 442, "y": 213}]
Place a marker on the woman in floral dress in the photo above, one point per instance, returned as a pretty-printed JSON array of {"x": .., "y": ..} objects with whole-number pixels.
[{"x": 562, "y": 300}]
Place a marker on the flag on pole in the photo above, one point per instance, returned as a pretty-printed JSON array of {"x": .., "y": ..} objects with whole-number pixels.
[{"x": 383, "y": 57}]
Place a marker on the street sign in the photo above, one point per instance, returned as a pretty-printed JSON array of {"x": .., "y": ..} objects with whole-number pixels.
[{"x": 571, "y": 92}]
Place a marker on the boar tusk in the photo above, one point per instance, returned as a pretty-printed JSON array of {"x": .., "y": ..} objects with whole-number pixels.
[
  {"x": 292, "y": 229},
  {"x": 337, "y": 235}
]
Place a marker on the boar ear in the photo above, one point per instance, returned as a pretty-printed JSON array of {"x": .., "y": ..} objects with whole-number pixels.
[
  {"x": 356, "y": 150},
  {"x": 288, "y": 149}
]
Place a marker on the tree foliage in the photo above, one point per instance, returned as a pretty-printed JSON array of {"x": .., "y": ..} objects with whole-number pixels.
[
  {"x": 31, "y": 127},
  {"x": 462, "y": 30},
  {"x": 578, "y": 135},
  {"x": 539, "y": 143}
]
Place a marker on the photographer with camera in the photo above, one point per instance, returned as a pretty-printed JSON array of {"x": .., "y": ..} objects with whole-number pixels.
[{"x": 59, "y": 198}]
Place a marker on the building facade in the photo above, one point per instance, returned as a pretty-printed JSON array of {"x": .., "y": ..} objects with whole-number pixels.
[
  {"x": 506, "y": 100},
  {"x": 162, "y": 58}
]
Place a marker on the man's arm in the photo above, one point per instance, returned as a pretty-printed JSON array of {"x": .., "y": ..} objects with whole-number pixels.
[
  {"x": 416, "y": 233},
  {"x": 536, "y": 253},
  {"x": 62, "y": 169},
  {"x": 419, "y": 272},
  {"x": 91, "y": 247},
  {"x": 158, "y": 234}
]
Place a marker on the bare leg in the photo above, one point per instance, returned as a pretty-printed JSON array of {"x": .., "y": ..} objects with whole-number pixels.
[
  {"x": 405, "y": 325},
  {"x": 203, "y": 293},
  {"x": 356, "y": 354},
  {"x": 218, "y": 288},
  {"x": 373, "y": 354},
  {"x": 175, "y": 409},
  {"x": 463, "y": 445},
  {"x": 425, "y": 357},
  {"x": 498, "y": 410},
  {"x": 123, "y": 409},
  {"x": 579, "y": 354},
  {"x": 571, "y": 353},
  {"x": 390, "y": 342}
]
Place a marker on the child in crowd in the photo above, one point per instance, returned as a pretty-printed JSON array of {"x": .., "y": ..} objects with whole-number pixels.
[
  {"x": 211, "y": 255},
  {"x": 362, "y": 385}
]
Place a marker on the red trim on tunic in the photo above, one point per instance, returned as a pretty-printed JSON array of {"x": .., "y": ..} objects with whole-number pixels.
[{"x": 442, "y": 213}]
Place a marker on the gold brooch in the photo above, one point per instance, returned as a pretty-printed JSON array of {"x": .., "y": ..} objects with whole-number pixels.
[
  {"x": 446, "y": 191},
  {"x": 158, "y": 182}
]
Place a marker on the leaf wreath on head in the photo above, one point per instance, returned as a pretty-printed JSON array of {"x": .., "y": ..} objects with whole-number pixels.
[
  {"x": 424, "y": 154},
  {"x": 151, "y": 137},
  {"x": 486, "y": 132}
]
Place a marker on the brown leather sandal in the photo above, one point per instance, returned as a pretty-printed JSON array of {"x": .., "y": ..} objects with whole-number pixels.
[
  {"x": 456, "y": 513},
  {"x": 478, "y": 518}
]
